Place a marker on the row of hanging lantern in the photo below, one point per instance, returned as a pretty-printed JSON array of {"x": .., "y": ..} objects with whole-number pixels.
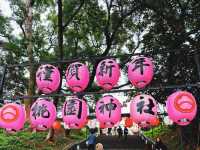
[
  {"x": 140, "y": 74},
  {"x": 181, "y": 108}
]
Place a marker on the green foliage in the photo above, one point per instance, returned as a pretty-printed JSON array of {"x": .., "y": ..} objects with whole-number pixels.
[
  {"x": 24, "y": 140},
  {"x": 157, "y": 131},
  {"x": 20, "y": 140}
]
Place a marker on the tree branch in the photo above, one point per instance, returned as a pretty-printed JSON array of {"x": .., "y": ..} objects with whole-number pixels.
[
  {"x": 106, "y": 29},
  {"x": 21, "y": 27},
  {"x": 109, "y": 37},
  {"x": 123, "y": 85},
  {"x": 115, "y": 30},
  {"x": 73, "y": 15}
]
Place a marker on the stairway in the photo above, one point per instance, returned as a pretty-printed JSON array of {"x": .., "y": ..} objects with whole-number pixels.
[{"x": 114, "y": 143}]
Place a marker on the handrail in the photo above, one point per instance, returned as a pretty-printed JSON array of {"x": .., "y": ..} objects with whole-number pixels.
[
  {"x": 147, "y": 140},
  {"x": 74, "y": 146}
]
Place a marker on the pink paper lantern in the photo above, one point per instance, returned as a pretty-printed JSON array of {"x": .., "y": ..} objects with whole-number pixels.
[
  {"x": 12, "y": 117},
  {"x": 43, "y": 114},
  {"x": 181, "y": 107},
  {"x": 74, "y": 113},
  {"x": 143, "y": 110},
  {"x": 140, "y": 71},
  {"x": 108, "y": 111},
  {"x": 47, "y": 78},
  {"x": 77, "y": 76},
  {"x": 107, "y": 74},
  {"x": 0, "y": 120}
]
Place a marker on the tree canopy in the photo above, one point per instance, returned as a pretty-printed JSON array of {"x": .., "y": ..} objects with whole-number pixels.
[{"x": 167, "y": 30}]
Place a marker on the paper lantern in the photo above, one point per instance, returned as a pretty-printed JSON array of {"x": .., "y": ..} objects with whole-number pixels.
[
  {"x": 154, "y": 122},
  {"x": 102, "y": 126},
  {"x": 74, "y": 113},
  {"x": 140, "y": 71},
  {"x": 56, "y": 125},
  {"x": 107, "y": 74},
  {"x": 12, "y": 117},
  {"x": 108, "y": 111},
  {"x": 128, "y": 122},
  {"x": 0, "y": 120},
  {"x": 181, "y": 107},
  {"x": 143, "y": 109},
  {"x": 47, "y": 78},
  {"x": 77, "y": 76},
  {"x": 43, "y": 114}
]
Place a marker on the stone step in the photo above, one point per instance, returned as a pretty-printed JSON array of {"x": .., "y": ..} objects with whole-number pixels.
[{"x": 115, "y": 143}]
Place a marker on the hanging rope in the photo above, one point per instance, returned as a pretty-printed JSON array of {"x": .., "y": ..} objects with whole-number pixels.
[
  {"x": 104, "y": 92},
  {"x": 96, "y": 57}
]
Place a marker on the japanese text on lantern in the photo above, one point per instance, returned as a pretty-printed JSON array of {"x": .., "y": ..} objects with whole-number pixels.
[
  {"x": 140, "y": 63},
  {"x": 106, "y": 68},
  {"x": 73, "y": 71},
  {"x": 40, "y": 111},
  {"x": 70, "y": 108},
  {"x": 48, "y": 70},
  {"x": 107, "y": 107},
  {"x": 148, "y": 108}
]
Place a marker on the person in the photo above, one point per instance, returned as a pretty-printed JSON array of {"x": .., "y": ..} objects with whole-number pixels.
[
  {"x": 125, "y": 132},
  {"x": 119, "y": 131},
  {"x": 99, "y": 146},
  {"x": 159, "y": 145},
  {"x": 91, "y": 141},
  {"x": 109, "y": 131},
  {"x": 115, "y": 130},
  {"x": 101, "y": 132}
]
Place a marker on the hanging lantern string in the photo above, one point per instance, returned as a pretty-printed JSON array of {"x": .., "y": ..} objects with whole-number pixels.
[
  {"x": 104, "y": 92},
  {"x": 96, "y": 57}
]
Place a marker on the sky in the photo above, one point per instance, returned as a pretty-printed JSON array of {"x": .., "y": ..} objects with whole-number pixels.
[
  {"x": 4, "y": 7},
  {"x": 6, "y": 11}
]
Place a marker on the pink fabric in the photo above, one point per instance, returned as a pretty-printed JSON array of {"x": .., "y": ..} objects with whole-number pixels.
[
  {"x": 12, "y": 117},
  {"x": 77, "y": 76},
  {"x": 43, "y": 114},
  {"x": 140, "y": 71},
  {"x": 47, "y": 78},
  {"x": 74, "y": 113},
  {"x": 108, "y": 111},
  {"x": 181, "y": 107},
  {"x": 107, "y": 74},
  {"x": 143, "y": 109}
]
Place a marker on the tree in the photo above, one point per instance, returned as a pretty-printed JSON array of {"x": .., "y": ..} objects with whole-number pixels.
[
  {"x": 28, "y": 38},
  {"x": 174, "y": 32},
  {"x": 167, "y": 31}
]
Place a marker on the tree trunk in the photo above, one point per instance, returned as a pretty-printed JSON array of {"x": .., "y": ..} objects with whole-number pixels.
[
  {"x": 59, "y": 54},
  {"x": 28, "y": 30},
  {"x": 67, "y": 132}
]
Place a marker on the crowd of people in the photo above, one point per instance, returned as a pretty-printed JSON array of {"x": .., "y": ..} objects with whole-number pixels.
[
  {"x": 122, "y": 132},
  {"x": 91, "y": 140}
]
